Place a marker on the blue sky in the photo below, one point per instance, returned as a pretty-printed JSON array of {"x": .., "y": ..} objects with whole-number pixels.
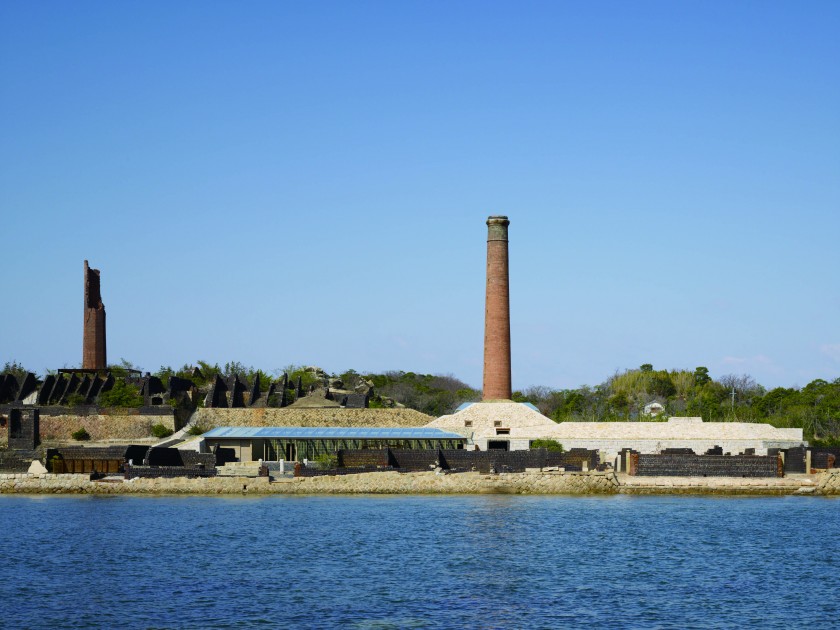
[{"x": 281, "y": 183}]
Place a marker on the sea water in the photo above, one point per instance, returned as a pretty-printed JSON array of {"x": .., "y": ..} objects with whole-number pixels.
[{"x": 419, "y": 562}]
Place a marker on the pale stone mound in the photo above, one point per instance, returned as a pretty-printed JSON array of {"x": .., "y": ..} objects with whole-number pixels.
[
  {"x": 37, "y": 468},
  {"x": 316, "y": 400},
  {"x": 522, "y": 420}
]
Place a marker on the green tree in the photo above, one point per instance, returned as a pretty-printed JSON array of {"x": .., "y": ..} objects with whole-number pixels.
[
  {"x": 701, "y": 376},
  {"x": 16, "y": 369},
  {"x": 122, "y": 394}
]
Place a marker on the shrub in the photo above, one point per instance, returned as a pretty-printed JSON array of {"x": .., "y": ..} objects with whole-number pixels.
[
  {"x": 160, "y": 430},
  {"x": 76, "y": 400},
  {"x": 80, "y": 435},
  {"x": 327, "y": 461},
  {"x": 122, "y": 394},
  {"x": 828, "y": 442},
  {"x": 549, "y": 445},
  {"x": 197, "y": 429}
]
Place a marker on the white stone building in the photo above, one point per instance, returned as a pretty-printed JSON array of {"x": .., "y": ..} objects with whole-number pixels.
[{"x": 513, "y": 426}]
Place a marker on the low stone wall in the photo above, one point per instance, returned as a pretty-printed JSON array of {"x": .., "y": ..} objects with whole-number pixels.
[
  {"x": 365, "y": 483},
  {"x": 799, "y": 485},
  {"x": 294, "y": 417},
  {"x": 825, "y": 484},
  {"x": 102, "y": 427}
]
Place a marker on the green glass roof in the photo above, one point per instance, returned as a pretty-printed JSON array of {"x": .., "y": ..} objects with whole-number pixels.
[{"x": 333, "y": 433}]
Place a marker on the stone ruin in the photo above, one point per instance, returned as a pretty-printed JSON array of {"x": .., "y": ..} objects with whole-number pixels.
[
  {"x": 80, "y": 390},
  {"x": 83, "y": 388},
  {"x": 235, "y": 392},
  {"x": 93, "y": 344}
]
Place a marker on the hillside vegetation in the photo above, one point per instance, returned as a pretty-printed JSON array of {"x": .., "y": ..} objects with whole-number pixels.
[{"x": 815, "y": 408}]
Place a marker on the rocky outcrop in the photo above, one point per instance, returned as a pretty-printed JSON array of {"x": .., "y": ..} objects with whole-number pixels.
[{"x": 828, "y": 483}]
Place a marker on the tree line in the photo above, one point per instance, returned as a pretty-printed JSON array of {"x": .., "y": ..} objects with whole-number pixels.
[{"x": 815, "y": 408}]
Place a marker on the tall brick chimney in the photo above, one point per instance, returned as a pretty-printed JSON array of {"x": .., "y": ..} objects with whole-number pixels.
[
  {"x": 93, "y": 345},
  {"x": 497, "y": 313}
]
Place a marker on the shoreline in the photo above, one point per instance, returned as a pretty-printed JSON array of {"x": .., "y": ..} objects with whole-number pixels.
[{"x": 426, "y": 483}]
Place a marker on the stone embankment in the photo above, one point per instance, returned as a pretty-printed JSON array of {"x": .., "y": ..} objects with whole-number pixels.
[
  {"x": 102, "y": 426},
  {"x": 366, "y": 483},
  {"x": 569, "y": 483},
  {"x": 799, "y": 484},
  {"x": 210, "y": 418},
  {"x": 828, "y": 483}
]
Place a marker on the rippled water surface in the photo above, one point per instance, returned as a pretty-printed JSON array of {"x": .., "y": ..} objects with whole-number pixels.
[{"x": 419, "y": 562}]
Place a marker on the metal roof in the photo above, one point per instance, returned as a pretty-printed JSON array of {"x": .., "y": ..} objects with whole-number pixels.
[{"x": 333, "y": 433}]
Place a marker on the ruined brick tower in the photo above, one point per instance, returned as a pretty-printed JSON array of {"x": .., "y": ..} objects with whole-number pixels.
[
  {"x": 497, "y": 313},
  {"x": 93, "y": 346}
]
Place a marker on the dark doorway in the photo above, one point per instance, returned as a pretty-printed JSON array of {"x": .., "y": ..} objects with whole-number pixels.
[{"x": 498, "y": 445}]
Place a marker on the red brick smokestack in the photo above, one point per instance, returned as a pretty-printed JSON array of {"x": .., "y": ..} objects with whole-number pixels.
[
  {"x": 497, "y": 313},
  {"x": 93, "y": 345}
]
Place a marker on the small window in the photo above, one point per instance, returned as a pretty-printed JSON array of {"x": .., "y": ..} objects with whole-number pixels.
[
  {"x": 467, "y": 423},
  {"x": 497, "y": 423},
  {"x": 502, "y": 431}
]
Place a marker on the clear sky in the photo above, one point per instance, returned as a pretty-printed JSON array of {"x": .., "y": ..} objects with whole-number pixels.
[{"x": 307, "y": 182}]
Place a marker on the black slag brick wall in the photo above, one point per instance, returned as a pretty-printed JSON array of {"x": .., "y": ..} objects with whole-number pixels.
[{"x": 683, "y": 465}]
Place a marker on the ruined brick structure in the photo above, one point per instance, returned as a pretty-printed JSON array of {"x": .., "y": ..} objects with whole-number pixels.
[
  {"x": 497, "y": 313},
  {"x": 93, "y": 346}
]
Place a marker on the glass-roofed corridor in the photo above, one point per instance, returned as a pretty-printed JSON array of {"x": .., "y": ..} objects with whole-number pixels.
[{"x": 299, "y": 443}]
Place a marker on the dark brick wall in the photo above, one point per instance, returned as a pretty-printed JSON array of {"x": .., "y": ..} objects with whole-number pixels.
[
  {"x": 825, "y": 458},
  {"x": 303, "y": 471},
  {"x": 353, "y": 458},
  {"x": 458, "y": 459},
  {"x": 194, "y": 459},
  {"x": 24, "y": 429},
  {"x": 684, "y": 465},
  {"x": 167, "y": 471},
  {"x": 416, "y": 460},
  {"x": 795, "y": 459},
  {"x": 356, "y": 401},
  {"x": 16, "y": 461},
  {"x": 517, "y": 461}
]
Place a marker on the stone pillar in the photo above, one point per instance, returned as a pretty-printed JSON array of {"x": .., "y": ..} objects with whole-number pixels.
[
  {"x": 93, "y": 346},
  {"x": 497, "y": 313}
]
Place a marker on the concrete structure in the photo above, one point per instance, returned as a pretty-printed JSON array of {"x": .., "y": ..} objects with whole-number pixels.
[
  {"x": 512, "y": 426},
  {"x": 497, "y": 383},
  {"x": 93, "y": 346}
]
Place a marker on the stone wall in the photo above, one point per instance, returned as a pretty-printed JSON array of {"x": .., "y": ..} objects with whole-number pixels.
[
  {"x": 365, "y": 483},
  {"x": 825, "y": 484},
  {"x": 102, "y": 427},
  {"x": 308, "y": 417}
]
